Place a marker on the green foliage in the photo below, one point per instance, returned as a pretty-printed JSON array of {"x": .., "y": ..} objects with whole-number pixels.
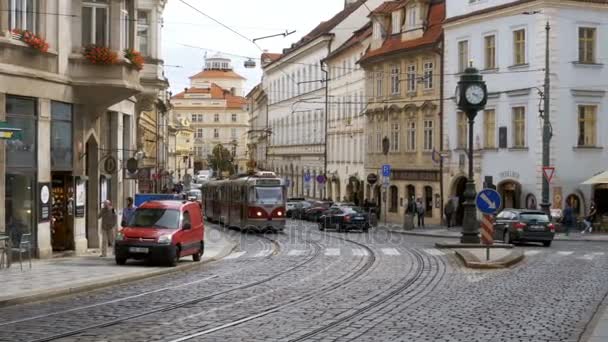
[{"x": 221, "y": 159}]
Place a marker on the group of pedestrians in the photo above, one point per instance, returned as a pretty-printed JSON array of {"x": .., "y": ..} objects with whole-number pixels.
[
  {"x": 569, "y": 219},
  {"x": 108, "y": 223},
  {"x": 417, "y": 209}
]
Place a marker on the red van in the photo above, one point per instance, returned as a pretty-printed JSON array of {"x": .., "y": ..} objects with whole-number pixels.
[{"x": 162, "y": 231}]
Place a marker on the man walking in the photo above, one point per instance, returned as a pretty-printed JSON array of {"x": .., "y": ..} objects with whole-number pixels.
[
  {"x": 108, "y": 222},
  {"x": 590, "y": 219},
  {"x": 127, "y": 212},
  {"x": 420, "y": 211},
  {"x": 449, "y": 211}
]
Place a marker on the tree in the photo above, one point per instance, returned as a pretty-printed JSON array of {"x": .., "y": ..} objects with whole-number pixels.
[{"x": 221, "y": 159}]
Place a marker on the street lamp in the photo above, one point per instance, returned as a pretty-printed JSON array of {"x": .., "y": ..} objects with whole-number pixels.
[
  {"x": 385, "y": 148},
  {"x": 471, "y": 97}
]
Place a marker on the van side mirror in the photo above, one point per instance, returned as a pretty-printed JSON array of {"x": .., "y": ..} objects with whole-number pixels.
[
  {"x": 186, "y": 226},
  {"x": 123, "y": 223}
]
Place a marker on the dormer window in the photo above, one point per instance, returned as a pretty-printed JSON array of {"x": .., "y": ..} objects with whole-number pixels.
[
  {"x": 377, "y": 30},
  {"x": 396, "y": 21},
  {"x": 412, "y": 13}
]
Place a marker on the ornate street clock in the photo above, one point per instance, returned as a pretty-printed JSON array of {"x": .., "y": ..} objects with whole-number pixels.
[{"x": 471, "y": 92}]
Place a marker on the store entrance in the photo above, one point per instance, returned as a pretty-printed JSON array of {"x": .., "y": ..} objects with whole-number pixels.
[{"x": 62, "y": 213}]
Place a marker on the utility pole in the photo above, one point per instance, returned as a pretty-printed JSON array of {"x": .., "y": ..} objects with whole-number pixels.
[
  {"x": 547, "y": 131},
  {"x": 326, "y": 81}
]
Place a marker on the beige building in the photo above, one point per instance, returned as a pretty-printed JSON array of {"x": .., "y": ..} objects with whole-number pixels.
[
  {"x": 403, "y": 67},
  {"x": 259, "y": 132},
  {"x": 216, "y": 111},
  {"x": 77, "y": 118}
]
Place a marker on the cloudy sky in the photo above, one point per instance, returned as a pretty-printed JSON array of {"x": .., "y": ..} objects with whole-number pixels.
[{"x": 187, "y": 35}]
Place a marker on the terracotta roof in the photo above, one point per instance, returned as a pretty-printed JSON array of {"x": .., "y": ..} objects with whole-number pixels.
[
  {"x": 431, "y": 36},
  {"x": 217, "y": 93},
  {"x": 271, "y": 56},
  {"x": 323, "y": 28},
  {"x": 357, "y": 37},
  {"x": 511, "y": 4},
  {"x": 217, "y": 74},
  {"x": 388, "y": 7}
]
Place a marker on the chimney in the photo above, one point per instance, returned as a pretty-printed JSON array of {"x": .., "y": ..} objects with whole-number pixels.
[{"x": 233, "y": 91}]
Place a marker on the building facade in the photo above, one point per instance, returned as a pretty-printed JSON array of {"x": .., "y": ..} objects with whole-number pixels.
[
  {"x": 77, "y": 119},
  {"x": 506, "y": 41},
  {"x": 216, "y": 112},
  {"x": 404, "y": 109},
  {"x": 257, "y": 136},
  {"x": 295, "y": 82},
  {"x": 345, "y": 134}
]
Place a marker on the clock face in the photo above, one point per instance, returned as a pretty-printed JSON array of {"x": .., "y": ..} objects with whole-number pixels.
[{"x": 474, "y": 94}]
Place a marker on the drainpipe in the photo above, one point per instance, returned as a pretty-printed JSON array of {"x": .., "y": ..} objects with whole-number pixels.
[{"x": 441, "y": 116}]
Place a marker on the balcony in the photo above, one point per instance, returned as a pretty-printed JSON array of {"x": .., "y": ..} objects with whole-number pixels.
[
  {"x": 153, "y": 75},
  {"x": 16, "y": 53},
  {"x": 103, "y": 85}
]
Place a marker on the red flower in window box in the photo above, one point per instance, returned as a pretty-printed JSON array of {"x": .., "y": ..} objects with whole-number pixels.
[
  {"x": 31, "y": 39},
  {"x": 100, "y": 55},
  {"x": 135, "y": 58}
]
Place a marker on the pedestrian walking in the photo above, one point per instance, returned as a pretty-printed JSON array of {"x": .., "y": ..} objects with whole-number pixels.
[
  {"x": 108, "y": 222},
  {"x": 420, "y": 211},
  {"x": 568, "y": 218},
  {"x": 127, "y": 212},
  {"x": 449, "y": 211},
  {"x": 590, "y": 219}
]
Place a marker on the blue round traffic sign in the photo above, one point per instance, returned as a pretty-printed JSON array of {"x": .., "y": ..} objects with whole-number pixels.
[
  {"x": 307, "y": 177},
  {"x": 488, "y": 201}
]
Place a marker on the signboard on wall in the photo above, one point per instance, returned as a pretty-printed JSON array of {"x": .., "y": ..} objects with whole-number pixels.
[
  {"x": 80, "y": 197},
  {"x": 557, "y": 197},
  {"x": 44, "y": 198}
]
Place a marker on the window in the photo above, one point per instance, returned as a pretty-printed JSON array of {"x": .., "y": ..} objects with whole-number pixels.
[
  {"x": 378, "y": 140},
  {"x": 411, "y": 16},
  {"x": 143, "y": 31},
  {"x": 379, "y": 84},
  {"x": 125, "y": 24},
  {"x": 586, "y": 44},
  {"x": 233, "y": 133},
  {"x": 428, "y": 201},
  {"x": 428, "y": 135},
  {"x": 411, "y": 136},
  {"x": 411, "y": 78},
  {"x": 61, "y": 136},
  {"x": 95, "y": 22},
  {"x": 519, "y": 127},
  {"x": 396, "y": 21},
  {"x": 21, "y": 113},
  {"x": 463, "y": 130},
  {"x": 519, "y": 47},
  {"x": 586, "y": 125},
  {"x": 216, "y": 117},
  {"x": 463, "y": 55},
  {"x": 490, "y": 52},
  {"x": 377, "y": 32},
  {"x": 489, "y": 126},
  {"x": 23, "y": 15},
  {"x": 194, "y": 118},
  {"x": 199, "y": 133},
  {"x": 428, "y": 75},
  {"x": 395, "y": 84},
  {"x": 394, "y": 199},
  {"x": 216, "y": 133},
  {"x": 233, "y": 117},
  {"x": 395, "y": 131}
]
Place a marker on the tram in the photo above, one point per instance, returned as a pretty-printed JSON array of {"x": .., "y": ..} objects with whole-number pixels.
[{"x": 253, "y": 201}]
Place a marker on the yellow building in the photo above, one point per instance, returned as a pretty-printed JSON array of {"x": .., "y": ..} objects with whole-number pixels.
[{"x": 403, "y": 67}]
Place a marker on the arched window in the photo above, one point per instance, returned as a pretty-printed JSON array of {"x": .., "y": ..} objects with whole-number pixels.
[
  {"x": 394, "y": 196},
  {"x": 531, "y": 202},
  {"x": 411, "y": 192},
  {"x": 428, "y": 201}
]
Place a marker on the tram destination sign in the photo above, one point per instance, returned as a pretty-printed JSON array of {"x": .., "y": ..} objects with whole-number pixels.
[{"x": 268, "y": 182}]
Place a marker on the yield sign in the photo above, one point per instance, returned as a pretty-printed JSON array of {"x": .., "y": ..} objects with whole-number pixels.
[{"x": 549, "y": 172}]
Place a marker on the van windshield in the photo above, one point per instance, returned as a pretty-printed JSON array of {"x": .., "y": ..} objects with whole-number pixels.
[
  {"x": 155, "y": 218},
  {"x": 269, "y": 195}
]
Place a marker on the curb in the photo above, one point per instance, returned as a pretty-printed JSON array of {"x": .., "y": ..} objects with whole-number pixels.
[
  {"x": 95, "y": 285},
  {"x": 472, "y": 261},
  {"x": 405, "y": 232}
]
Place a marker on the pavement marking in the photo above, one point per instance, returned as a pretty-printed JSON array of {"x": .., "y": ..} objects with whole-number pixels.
[
  {"x": 587, "y": 257},
  {"x": 235, "y": 255},
  {"x": 390, "y": 251},
  {"x": 359, "y": 252},
  {"x": 262, "y": 254},
  {"x": 433, "y": 252},
  {"x": 296, "y": 252},
  {"x": 332, "y": 252},
  {"x": 565, "y": 253},
  {"x": 532, "y": 252},
  {"x": 598, "y": 253}
]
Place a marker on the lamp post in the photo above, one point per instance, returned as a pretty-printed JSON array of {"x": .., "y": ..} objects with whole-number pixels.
[
  {"x": 471, "y": 97},
  {"x": 385, "y": 148}
]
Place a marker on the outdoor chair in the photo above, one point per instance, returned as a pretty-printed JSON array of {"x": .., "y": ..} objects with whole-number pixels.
[{"x": 24, "y": 245}]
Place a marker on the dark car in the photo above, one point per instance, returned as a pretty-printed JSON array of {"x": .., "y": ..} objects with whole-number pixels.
[
  {"x": 316, "y": 210},
  {"x": 520, "y": 225},
  {"x": 297, "y": 209},
  {"x": 344, "y": 219}
]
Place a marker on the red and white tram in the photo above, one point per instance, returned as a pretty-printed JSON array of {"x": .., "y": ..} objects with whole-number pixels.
[{"x": 248, "y": 202}]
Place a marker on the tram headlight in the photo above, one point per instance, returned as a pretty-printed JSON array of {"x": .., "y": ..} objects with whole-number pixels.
[
  {"x": 279, "y": 213},
  {"x": 259, "y": 213}
]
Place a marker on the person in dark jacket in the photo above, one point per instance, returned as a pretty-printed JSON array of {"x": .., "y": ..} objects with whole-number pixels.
[
  {"x": 108, "y": 222},
  {"x": 449, "y": 212}
]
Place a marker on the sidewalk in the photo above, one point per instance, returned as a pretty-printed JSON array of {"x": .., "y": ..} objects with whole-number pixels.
[
  {"x": 598, "y": 331},
  {"x": 61, "y": 276},
  {"x": 454, "y": 233}
]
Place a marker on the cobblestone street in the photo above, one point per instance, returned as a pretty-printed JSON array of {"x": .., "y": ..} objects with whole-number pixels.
[{"x": 304, "y": 285}]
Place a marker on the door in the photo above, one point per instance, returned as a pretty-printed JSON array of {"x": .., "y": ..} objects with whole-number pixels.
[{"x": 187, "y": 238}]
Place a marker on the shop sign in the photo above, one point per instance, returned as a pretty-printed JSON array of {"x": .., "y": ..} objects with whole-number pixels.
[
  {"x": 44, "y": 190},
  {"x": 80, "y": 197},
  {"x": 509, "y": 174},
  {"x": 416, "y": 175},
  {"x": 557, "y": 197}
]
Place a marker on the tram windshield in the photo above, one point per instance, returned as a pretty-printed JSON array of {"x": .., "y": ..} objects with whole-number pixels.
[{"x": 268, "y": 195}]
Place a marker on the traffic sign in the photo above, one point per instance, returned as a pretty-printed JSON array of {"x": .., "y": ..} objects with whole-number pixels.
[
  {"x": 386, "y": 170},
  {"x": 372, "y": 178},
  {"x": 385, "y": 181},
  {"x": 549, "y": 172},
  {"x": 321, "y": 179},
  {"x": 307, "y": 177},
  {"x": 488, "y": 201}
]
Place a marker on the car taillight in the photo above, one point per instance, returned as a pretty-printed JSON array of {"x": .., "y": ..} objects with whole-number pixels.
[
  {"x": 551, "y": 227},
  {"x": 255, "y": 212},
  {"x": 347, "y": 218},
  {"x": 520, "y": 226}
]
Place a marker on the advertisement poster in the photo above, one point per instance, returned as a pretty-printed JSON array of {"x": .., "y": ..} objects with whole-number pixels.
[
  {"x": 45, "y": 202},
  {"x": 80, "y": 197}
]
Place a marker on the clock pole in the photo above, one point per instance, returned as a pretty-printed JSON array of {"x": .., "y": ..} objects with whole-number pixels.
[{"x": 471, "y": 97}]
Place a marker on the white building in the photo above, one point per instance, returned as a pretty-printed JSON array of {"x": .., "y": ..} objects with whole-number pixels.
[
  {"x": 506, "y": 41},
  {"x": 294, "y": 82},
  {"x": 346, "y": 138}
]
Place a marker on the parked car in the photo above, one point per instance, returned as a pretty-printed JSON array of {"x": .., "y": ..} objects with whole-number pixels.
[
  {"x": 162, "y": 231},
  {"x": 298, "y": 209},
  {"x": 521, "y": 225},
  {"x": 316, "y": 210},
  {"x": 344, "y": 218},
  {"x": 195, "y": 195}
]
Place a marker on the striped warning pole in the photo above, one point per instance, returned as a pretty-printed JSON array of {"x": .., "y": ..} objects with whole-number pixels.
[{"x": 487, "y": 233}]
